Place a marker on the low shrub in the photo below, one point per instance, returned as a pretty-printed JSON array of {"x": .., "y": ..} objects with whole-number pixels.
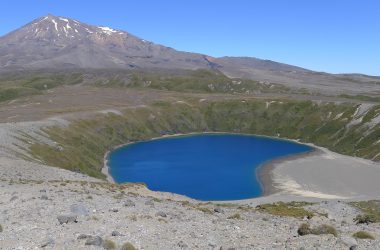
[
  {"x": 235, "y": 217},
  {"x": 205, "y": 210},
  {"x": 363, "y": 235},
  {"x": 324, "y": 229},
  {"x": 128, "y": 246},
  {"x": 185, "y": 203},
  {"x": 304, "y": 229},
  {"x": 109, "y": 244},
  {"x": 365, "y": 219}
]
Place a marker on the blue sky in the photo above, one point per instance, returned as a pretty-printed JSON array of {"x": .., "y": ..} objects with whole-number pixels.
[{"x": 325, "y": 35}]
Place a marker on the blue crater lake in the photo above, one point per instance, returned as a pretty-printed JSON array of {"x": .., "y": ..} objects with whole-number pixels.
[{"x": 204, "y": 166}]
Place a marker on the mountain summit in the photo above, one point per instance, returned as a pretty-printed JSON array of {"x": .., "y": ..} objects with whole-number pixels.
[{"x": 56, "y": 42}]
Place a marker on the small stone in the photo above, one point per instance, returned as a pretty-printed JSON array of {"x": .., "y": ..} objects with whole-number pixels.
[
  {"x": 212, "y": 245},
  {"x": 83, "y": 236},
  {"x": 44, "y": 197},
  {"x": 14, "y": 198},
  {"x": 317, "y": 245},
  {"x": 218, "y": 210},
  {"x": 182, "y": 244},
  {"x": 115, "y": 210},
  {"x": 161, "y": 214},
  {"x": 47, "y": 242},
  {"x": 65, "y": 219},
  {"x": 42, "y": 191},
  {"x": 94, "y": 241},
  {"x": 116, "y": 233},
  {"x": 129, "y": 203}
]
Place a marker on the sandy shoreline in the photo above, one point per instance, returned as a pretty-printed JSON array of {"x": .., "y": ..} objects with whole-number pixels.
[
  {"x": 328, "y": 175},
  {"x": 264, "y": 172},
  {"x": 106, "y": 170}
]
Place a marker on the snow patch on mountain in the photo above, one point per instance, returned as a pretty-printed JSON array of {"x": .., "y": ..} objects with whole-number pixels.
[
  {"x": 55, "y": 24},
  {"x": 107, "y": 30},
  {"x": 64, "y": 19}
]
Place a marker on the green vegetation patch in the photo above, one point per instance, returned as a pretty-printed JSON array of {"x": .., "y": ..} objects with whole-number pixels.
[
  {"x": 362, "y": 97},
  {"x": 293, "y": 209},
  {"x": 26, "y": 84},
  {"x": 7, "y": 94},
  {"x": 363, "y": 235},
  {"x": 370, "y": 210},
  {"x": 201, "y": 81},
  {"x": 305, "y": 229},
  {"x": 109, "y": 244},
  {"x": 128, "y": 246}
]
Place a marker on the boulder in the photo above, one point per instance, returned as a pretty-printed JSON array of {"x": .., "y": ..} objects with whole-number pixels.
[
  {"x": 350, "y": 242},
  {"x": 83, "y": 236},
  {"x": 94, "y": 241}
]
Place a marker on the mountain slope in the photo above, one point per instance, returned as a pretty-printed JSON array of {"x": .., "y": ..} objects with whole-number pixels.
[
  {"x": 56, "y": 42},
  {"x": 296, "y": 77}
]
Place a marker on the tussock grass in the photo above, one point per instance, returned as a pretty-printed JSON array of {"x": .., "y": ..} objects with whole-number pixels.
[
  {"x": 304, "y": 229},
  {"x": 109, "y": 244},
  {"x": 236, "y": 216},
  {"x": 204, "y": 210},
  {"x": 363, "y": 235},
  {"x": 128, "y": 246},
  {"x": 325, "y": 229}
]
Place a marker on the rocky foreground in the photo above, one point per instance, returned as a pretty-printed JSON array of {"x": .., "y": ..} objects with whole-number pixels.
[{"x": 65, "y": 210}]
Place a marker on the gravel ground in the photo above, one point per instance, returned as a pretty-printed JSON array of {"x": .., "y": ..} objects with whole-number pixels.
[{"x": 30, "y": 213}]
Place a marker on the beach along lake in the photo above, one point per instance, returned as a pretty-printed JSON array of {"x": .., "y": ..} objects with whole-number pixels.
[{"x": 207, "y": 167}]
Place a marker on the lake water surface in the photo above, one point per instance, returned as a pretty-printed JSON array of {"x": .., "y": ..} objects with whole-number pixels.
[{"x": 204, "y": 166}]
